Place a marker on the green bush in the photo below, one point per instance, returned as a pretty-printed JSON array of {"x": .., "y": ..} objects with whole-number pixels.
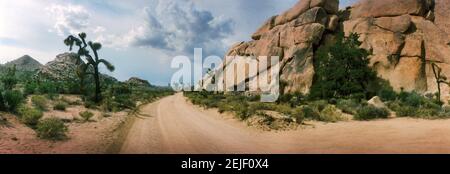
[
  {"x": 241, "y": 109},
  {"x": 318, "y": 105},
  {"x": 348, "y": 106},
  {"x": 224, "y": 107},
  {"x": 29, "y": 116},
  {"x": 394, "y": 105},
  {"x": 387, "y": 94},
  {"x": 12, "y": 99},
  {"x": 427, "y": 113},
  {"x": 371, "y": 112},
  {"x": 330, "y": 114},
  {"x": 90, "y": 104},
  {"x": 263, "y": 106},
  {"x": 52, "y": 96},
  {"x": 30, "y": 88},
  {"x": 432, "y": 104},
  {"x": 310, "y": 113},
  {"x": 86, "y": 115},
  {"x": 60, "y": 106},
  {"x": 406, "y": 111},
  {"x": 51, "y": 129},
  {"x": 284, "y": 109},
  {"x": 299, "y": 115},
  {"x": 412, "y": 99},
  {"x": 40, "y": 102}
]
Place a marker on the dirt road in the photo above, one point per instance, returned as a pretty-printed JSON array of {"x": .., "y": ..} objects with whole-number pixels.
[{"x": 175, "y": 126}]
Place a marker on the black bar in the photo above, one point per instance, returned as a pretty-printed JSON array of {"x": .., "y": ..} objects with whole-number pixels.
[{"x": 276, "y": 163}]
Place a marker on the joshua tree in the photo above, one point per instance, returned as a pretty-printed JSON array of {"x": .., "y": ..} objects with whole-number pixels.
[
  {"x": 439, "y": 78},
  {"x": 92, "y": 61}
]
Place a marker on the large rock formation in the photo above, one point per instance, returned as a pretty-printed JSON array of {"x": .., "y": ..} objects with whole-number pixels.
[
  {"x": 442, "y": 14},
  {"x": 404, "y": 40},
  {"x": 292, "y": 36},
  {"x": 404, "y": 36}
]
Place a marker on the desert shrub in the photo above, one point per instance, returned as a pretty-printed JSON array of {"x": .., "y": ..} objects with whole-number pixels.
[
  {"x": 348, "y": 106},
  {"x": 52, "y": 129},
  {"x": 86, "y": 115},
  {"x": 444, "y": 114},
  {"x": 12, "y": 99},
  {"x": 109, "y": 105},
  {"x": 90, "y": 104},
  {"x": 60, "y": 106},
  {"x": 299, "y": 115},
  {"x": 394, "y": 105},
  {"x": 293, "y": 99},
  {"x": 124, "y": 101},
  {"x": 224, "y": 107},
  {"x": 47, "y": 87},
  {"x": 267, "y": 119},
  {"x": 76, "y": 103},
  {"x": 29, "y": 116},
  {"x": 30, "y": 88},
  {"x": 242, "y": 111},
  {"x": 40, "y": 102},
  {"x": 310, "y": 113},
  {"x": 432, "y": 104},
  {"x": 52, "y": 96},
  {"x": 427, "y": 113},
  {"x": 371, "y": 112},
  {"x": 318, "y": 105},
  {"x": 387, "y": 94},
  {"x": 330, "y": 114},
  {"x": 412, "y": 99},
  {"x": 263, "y": 106},
  {"x": 406, "y": 111},
  {"x": 283, "y": 108}
]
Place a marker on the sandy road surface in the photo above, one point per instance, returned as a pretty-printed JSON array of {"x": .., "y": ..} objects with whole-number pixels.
[{"x": 175, "y": 126}]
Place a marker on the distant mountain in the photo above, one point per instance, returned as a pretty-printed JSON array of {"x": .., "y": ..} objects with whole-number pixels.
[
  {"x": 24, "y": 63},
  {"x": 134, "y": 81}
]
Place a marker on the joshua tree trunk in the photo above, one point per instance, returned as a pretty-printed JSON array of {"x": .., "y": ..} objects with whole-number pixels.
[{"x": 97, "y": 85}]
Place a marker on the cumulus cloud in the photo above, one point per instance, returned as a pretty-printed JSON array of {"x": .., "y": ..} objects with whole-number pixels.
[
  {"x": 69, "y": 19},
  {"x": 180, "y": 26}
]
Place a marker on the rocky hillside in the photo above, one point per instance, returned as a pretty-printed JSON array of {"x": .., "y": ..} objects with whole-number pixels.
[
  {"x": 135, "y": 81},
  {"x": 405, "y": 36},
  {"x": 64, "y": 68},
  {"x": 24, "y": 63}
]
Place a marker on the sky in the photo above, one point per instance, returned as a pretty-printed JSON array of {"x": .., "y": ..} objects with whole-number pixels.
[{"x": 140, "y": 37}]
